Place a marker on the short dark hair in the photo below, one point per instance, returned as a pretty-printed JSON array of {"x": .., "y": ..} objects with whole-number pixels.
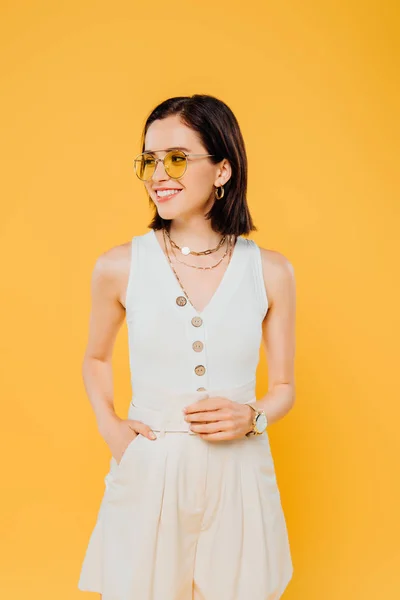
[{"x": 220, "y": 134}]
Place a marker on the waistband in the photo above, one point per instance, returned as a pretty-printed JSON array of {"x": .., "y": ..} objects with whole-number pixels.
[{"x": 168, "y": 415}]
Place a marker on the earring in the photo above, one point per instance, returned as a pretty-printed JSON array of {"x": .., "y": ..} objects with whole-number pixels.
[{"x": 222, "y": 193}]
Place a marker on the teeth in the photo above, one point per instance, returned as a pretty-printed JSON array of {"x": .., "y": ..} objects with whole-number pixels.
[{"x": 162, "y": 193}]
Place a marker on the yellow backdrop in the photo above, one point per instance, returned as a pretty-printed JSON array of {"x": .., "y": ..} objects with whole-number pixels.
[{"x": 315, "y": 88}]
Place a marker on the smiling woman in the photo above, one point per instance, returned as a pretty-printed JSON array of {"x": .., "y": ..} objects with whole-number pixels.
[{"x": 191, "y": 507}]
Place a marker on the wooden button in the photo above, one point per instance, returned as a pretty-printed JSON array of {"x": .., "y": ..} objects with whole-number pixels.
[
  {"x": 200, "y": 370},
  {"x": 181, "y": 300},
  {"x": 198, "y": 346},
  {"x": 201, "y": 389},
  {"x": 197, "y": 321}
]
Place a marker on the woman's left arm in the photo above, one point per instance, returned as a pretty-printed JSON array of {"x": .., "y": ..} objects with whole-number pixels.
[{"x": 278, "y": 332}]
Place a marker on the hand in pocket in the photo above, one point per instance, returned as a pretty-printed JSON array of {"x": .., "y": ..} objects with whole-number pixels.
[{"x": 121, "y": 432}]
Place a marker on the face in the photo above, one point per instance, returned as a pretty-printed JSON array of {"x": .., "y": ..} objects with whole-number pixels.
[{"x": 196, "y": 187}]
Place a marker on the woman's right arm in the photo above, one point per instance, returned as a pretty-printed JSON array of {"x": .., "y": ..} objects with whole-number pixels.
[
  {"x": 109, "y": 280},
  {"x": 106, "y": 317}
]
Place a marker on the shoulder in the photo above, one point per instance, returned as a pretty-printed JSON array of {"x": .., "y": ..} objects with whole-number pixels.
[
  {"x": 111, "y": 269},
  {"x": 113, "y": 260},
  {"x": 279, "y": 275}
]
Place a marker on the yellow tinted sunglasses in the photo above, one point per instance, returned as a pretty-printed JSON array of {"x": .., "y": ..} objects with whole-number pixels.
[{"x": 175, "y": 164}]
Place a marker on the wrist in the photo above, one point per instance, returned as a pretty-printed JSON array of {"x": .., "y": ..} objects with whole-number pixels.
[
  {"x": 107, "y": 421},
  {"x": 250, "y": 418},
  {"x": 259, "y": 419}
]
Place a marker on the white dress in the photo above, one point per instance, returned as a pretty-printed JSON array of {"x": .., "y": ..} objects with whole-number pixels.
[{"x": 183, "y": 518}]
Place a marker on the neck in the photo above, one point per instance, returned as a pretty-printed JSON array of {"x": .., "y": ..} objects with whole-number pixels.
[{"x": 197, "y": 237}]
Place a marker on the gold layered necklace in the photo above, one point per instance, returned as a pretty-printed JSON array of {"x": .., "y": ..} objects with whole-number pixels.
[
  {"x": 230, "y": 245},
  {"x": 186, "y": 250}
]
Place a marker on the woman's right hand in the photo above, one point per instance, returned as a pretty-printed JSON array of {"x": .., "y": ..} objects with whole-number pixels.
[{"x": 119, "y": 433}]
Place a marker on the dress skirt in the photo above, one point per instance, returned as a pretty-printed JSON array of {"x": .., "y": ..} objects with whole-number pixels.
[{"x": 183, "y": 518}]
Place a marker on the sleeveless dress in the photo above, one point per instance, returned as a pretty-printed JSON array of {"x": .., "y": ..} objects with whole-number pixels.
[{"x": 183, "y": 518}]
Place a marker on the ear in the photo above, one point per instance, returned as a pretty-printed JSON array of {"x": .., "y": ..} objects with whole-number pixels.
[{"x": 224, "y": 173}]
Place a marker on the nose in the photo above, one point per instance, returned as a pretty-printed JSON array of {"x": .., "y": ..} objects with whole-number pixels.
[{"x": 159, "y": 172}]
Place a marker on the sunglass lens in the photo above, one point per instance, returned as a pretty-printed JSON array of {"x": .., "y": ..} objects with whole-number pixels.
[
  {"x": 175, "y": 163},
  {"x": 145, "y": 166}
]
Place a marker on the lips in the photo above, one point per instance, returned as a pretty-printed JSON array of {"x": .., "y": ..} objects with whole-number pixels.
[{"x": 161, "y": 199}]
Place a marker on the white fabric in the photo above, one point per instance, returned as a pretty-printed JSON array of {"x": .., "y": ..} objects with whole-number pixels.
[{"x": 182, "y": 518}]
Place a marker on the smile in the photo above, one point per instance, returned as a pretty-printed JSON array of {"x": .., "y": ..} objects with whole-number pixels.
[{"x": 163, "y": 195}]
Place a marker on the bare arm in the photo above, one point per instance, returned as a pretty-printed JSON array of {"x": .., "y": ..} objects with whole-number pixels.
[
  {"x": 108, "y": 287},
  {"x": 279, "y": 335},
  {"x": 106, "y": 317}
]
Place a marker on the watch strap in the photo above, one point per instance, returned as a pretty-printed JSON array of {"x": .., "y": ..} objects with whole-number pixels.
[{"x": 256, "y": 414}]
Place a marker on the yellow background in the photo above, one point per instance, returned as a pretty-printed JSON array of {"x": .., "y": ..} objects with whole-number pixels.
[{"x": 315, "y": 88}]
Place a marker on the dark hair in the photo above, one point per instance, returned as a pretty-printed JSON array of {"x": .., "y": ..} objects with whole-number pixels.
[{"x": 220, "y": 134}]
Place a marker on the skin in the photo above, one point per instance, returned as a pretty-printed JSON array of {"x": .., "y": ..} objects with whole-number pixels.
[{"x": 216, "y": 418}]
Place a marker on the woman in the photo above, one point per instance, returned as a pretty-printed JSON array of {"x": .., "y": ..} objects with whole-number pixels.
[{"x": 191, "y": 508}]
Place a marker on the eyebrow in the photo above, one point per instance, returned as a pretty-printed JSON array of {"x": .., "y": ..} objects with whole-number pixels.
[{"x": 168, "y": 149}]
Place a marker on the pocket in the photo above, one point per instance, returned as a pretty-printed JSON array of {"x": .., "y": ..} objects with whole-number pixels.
[{"x": 126, "y": 452}]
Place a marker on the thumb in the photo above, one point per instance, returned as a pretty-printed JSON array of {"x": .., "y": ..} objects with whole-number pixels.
[{"x": 142, "y": 428}]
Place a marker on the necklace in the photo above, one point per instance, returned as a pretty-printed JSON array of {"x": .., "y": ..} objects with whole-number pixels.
[
  {"x": 231, "y": 245},
  {"x": 186, "y": 250},
  {"x": 199, "y": 267}
]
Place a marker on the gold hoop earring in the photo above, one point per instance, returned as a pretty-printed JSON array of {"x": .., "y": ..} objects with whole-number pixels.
[{"x": 222, "y": 193}]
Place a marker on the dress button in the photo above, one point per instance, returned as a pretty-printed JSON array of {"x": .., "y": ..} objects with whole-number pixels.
[
  {"x": 198, "y": 346},
  {"x": 200, "y": 370},
  {"x": 181, "y": 300},
  {"x": 201, "y": 389},
  {"x": 197, "y": 321}
]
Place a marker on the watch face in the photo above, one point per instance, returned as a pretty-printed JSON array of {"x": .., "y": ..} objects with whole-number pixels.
[{"x": 261, "y": 423}]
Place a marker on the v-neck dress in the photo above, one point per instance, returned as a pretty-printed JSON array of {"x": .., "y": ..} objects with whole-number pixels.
[{"x": 183, "y": 518}]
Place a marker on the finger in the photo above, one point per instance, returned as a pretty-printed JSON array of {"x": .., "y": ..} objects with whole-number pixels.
[
  {"x": 218, "y": 436},
  {"x": 142, "y": 428},
  {"x": 205, "y": 416},
  {"x": 213, "y": 427}
]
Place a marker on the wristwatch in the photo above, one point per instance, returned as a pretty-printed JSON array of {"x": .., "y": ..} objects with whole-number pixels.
[{"x": 260, "y": 421}]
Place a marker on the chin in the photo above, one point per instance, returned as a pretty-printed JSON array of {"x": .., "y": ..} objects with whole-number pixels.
[{"x": 167, "y": 212}]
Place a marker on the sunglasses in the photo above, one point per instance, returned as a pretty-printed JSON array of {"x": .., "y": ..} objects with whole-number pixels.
[{"x": 175, "y": 164}]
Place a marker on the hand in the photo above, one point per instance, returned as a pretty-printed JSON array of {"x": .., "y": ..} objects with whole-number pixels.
[
  {"x": 118, "y": 435},
  {"x": 219, "y": 418}
]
